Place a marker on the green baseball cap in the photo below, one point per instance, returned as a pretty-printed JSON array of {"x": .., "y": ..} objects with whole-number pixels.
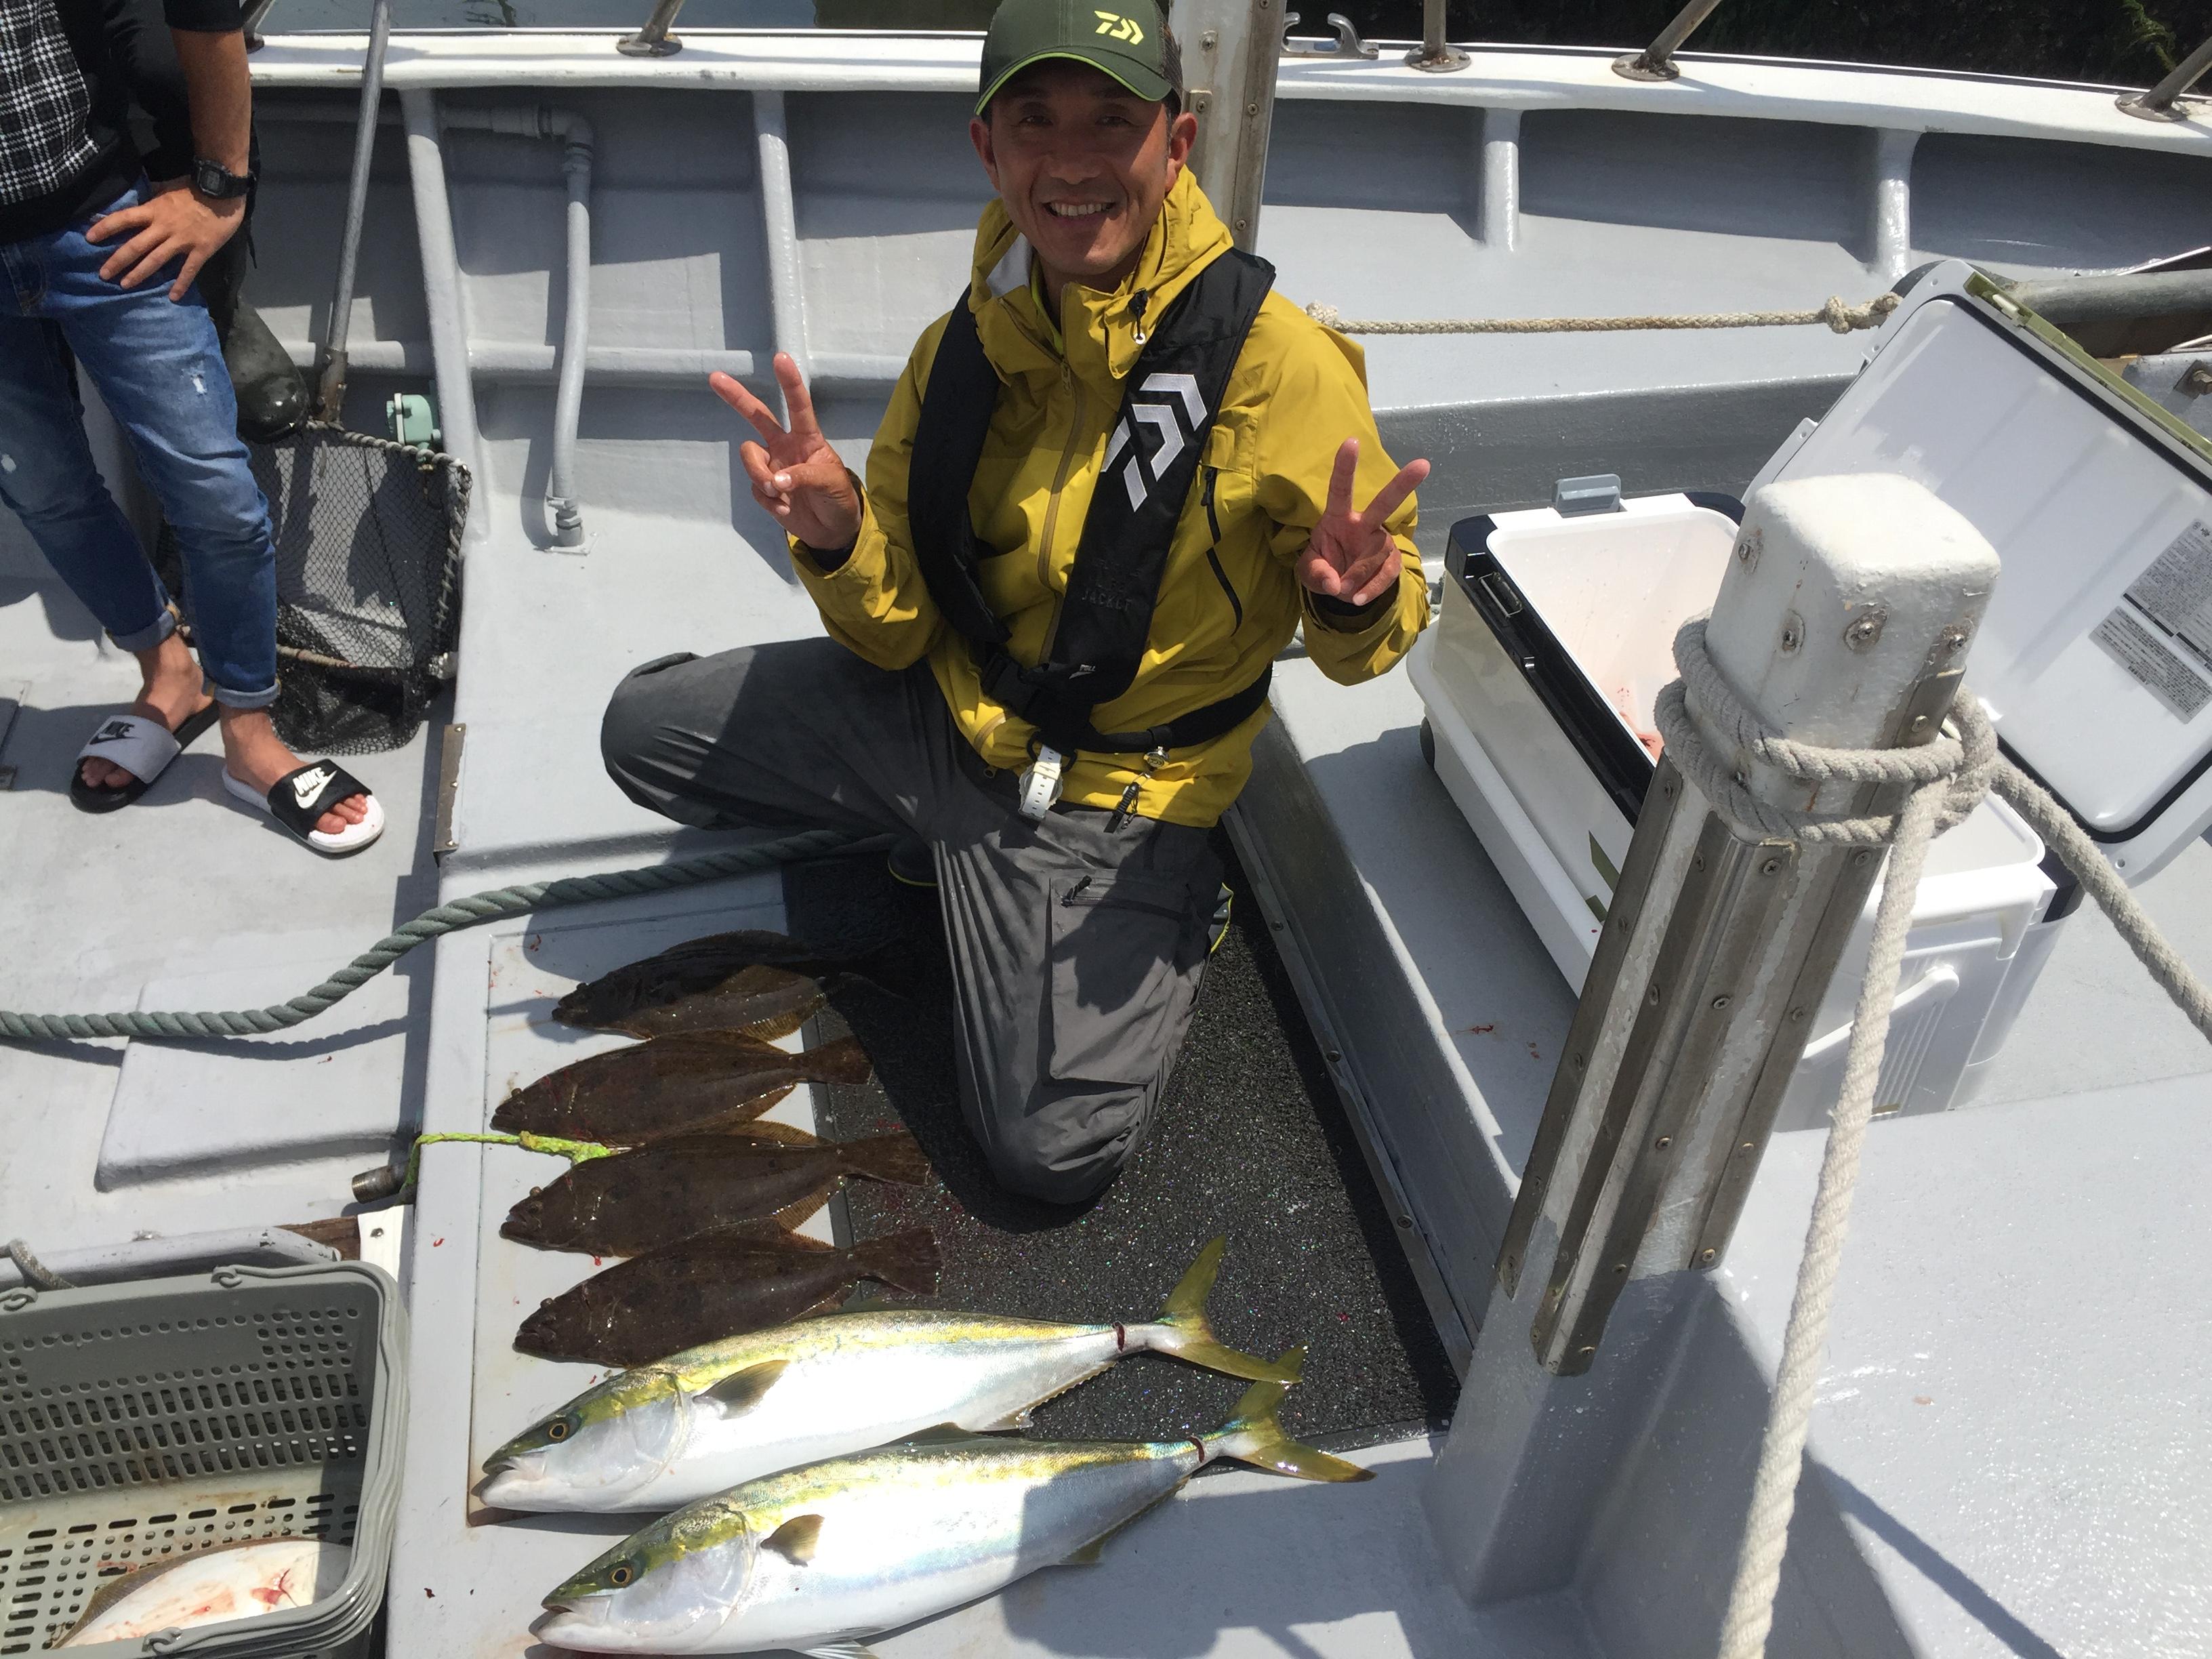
[{"x": 1127, "y": 40}]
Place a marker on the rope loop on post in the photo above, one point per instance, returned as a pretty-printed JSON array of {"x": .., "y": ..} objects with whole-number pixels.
[{"x": 1966, "y": 765}]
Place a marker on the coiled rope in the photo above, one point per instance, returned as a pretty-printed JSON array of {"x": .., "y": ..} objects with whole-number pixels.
[
  {"x": 1840, "y": 318},
  {"x": 1948, "y": 778},
  {"x": 495, "y": 905}
]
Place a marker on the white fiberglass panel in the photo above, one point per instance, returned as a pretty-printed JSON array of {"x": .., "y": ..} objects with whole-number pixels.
[{"x": 2080, "y": 507}]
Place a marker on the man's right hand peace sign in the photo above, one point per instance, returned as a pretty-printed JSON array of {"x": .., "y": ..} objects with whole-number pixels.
[{"x": 795, "y": 474}]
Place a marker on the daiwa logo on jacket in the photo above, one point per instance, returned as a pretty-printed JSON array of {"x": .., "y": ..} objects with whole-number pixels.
[{"x": 1174, "y": 423}]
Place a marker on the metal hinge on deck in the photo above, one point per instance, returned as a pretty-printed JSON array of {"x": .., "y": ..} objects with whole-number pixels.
[
  {"x": 449, "y": 788},
  {"x": 11, "y": 701}
]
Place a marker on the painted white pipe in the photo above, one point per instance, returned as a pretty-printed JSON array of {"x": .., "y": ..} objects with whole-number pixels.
[
  {"x": 779, "y": 220},
  {"x": 514, "y": 361},
  {"x": 441, "y": 295},
  {"x": 574, "y": 134}
]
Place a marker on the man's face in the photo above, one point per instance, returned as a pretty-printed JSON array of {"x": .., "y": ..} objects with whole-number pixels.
[{"x": 1083, "y": 165}]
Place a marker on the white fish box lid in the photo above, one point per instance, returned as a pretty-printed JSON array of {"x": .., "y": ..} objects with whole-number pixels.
[{"x": 2096, "y": 657}]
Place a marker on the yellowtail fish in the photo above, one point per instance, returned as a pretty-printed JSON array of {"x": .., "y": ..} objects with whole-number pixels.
[
  {"x": 669, "y": 1432},
  {"x": 213, "y": 1586},
  {"x": 821, "y": 1558}
]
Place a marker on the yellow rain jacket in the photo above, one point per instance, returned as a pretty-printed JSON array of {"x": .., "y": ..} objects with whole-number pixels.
[{"x": 1227, "y": 607}]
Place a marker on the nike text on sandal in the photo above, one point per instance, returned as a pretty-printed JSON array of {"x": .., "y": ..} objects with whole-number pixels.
[
  {"x": 300, "y": 797},
  {"x": 141, "y": 746}
]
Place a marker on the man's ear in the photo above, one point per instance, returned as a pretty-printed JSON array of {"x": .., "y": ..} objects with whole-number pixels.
[
  {"x": 1183, "y": 133},
  {"x": 979, "y": 134}
]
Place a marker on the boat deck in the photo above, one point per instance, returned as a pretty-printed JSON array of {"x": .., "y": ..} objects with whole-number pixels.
[{"x": 2027, "y": 1266}]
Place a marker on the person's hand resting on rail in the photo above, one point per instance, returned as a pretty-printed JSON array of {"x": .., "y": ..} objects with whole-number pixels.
[
  {"x": 795, "y": 474},
  {"x": 1350, "y": 557}
]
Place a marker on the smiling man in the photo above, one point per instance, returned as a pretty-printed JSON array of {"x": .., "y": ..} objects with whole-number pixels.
[{"x": 1112, "y": 483}]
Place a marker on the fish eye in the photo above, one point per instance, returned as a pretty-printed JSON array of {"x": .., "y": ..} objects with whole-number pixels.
[
  {"x": 620, "y": 1576},
  {"x": 558, "y": 1431}
]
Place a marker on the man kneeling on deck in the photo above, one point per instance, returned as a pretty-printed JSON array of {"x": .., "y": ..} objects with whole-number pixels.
[{"x": 1109, "y": 488}]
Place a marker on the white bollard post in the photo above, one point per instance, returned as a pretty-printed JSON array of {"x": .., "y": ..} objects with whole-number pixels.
[{"x": 1843, "y": 621}]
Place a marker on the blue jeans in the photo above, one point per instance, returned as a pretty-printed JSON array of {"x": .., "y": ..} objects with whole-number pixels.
[{"x": 159, "y": 368}]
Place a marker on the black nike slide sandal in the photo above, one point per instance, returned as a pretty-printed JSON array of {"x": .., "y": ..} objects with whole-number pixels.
[
  {"x": 303, "y": 795},
  {"x": 141, "y": 746}
]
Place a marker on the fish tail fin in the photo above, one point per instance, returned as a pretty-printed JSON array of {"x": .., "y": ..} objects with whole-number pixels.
[
  {"x": 843, "y": 1060},
  {"x": 906, "y": 1260},
  {"x": 893, "y": 1157},
  {"x": 1183, "y": 1330},
  {"x": 1254, "y": 1436}
]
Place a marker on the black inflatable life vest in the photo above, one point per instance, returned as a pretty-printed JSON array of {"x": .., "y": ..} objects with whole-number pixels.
[{"x": 1152, "y": 457}]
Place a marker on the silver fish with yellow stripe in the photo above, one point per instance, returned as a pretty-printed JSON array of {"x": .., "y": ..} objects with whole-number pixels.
[
  {"x": 822, "y": 1557},
  {"x": 706, "y": 1419}
]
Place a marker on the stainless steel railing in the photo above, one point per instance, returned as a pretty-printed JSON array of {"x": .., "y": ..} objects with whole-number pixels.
[
  {"x": 2163, "y": 101},
  {"x": 656, "y": 39},
  {"x": 1433, "y": 54},
  {"x": 1656, "y": 61}
]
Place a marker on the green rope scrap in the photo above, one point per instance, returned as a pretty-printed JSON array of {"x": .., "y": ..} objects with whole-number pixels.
[
  {"x": 576, "y": 1151},
  {"x": 496, "y": 905}
]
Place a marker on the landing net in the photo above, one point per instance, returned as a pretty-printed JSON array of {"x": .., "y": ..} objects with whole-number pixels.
[{"x": 368, "y": 540}]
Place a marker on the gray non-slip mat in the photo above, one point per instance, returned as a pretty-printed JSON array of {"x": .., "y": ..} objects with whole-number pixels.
[{"x": 1251, "y": 1143}]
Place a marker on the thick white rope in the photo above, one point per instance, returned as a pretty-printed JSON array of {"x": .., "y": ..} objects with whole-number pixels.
[
  {"x": 1947, "y": 778},
  {"x": 1839, "y": 318}
]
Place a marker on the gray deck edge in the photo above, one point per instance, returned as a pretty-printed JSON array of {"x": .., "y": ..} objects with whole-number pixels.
[{"x": 1302, "y": 852}]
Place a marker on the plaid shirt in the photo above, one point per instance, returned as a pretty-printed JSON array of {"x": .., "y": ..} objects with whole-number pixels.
[
  {"x": 46, "y": 104},
  {"x": 65, "y": 150}
]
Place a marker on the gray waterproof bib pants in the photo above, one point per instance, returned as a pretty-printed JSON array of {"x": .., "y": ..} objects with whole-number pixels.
[{"x": 1076, "y": 949}]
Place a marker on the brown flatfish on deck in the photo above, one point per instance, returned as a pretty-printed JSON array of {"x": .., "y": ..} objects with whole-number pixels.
[
  {"x": 751, "y": 981},
  {"x": 743, "y": 1278},
  {"x": 683, "y": 1085},
  {"x": 677, "y": 1188}
]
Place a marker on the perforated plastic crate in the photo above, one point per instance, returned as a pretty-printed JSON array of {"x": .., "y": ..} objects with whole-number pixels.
[{"x": 146, "y": 1421}]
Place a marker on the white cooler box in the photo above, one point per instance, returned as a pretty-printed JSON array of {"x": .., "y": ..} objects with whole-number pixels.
[
  {"x": 1554, "y": 638},
  {"x": 2094, "y": 661}
]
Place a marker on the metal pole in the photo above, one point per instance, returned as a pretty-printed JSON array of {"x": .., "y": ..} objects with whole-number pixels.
[
  {"x": 442, "y": 292},
  {"x": 330, "y": 394},
  {"x": 1433, "y": 54},
  {"x": 2163, "y": 101},
  {"x": 1230, "y": 52},
  {"x": 254, "y": 13},
  {"x": 654, "y": 40},
  {"x": 1656, "y": 61},
  {"x": 2140, "y": 313}
]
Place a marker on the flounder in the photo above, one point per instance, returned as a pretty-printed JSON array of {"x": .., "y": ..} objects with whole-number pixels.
[
  {"x": 687, "y": 1185},
  {"x": 686, "y": 1083},
  {"x": 723, "y": 1283}
]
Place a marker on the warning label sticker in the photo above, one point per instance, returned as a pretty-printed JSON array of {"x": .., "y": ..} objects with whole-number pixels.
[
  {"x": 2163, "y": 634},
  {"x": 2146, "y": 654},
  {"x": 2176, "y": 593}
]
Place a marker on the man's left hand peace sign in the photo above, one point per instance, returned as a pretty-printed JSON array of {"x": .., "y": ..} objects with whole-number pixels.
[{"x": 1349, "y": 556}]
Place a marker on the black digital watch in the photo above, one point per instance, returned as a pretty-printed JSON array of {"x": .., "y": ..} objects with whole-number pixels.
[{"x": 218, "y": 182}]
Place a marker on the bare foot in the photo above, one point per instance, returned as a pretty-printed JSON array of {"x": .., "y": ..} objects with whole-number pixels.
[
  {"x": 169, "y": 691},
  {"x": 255, "y": 755}
]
